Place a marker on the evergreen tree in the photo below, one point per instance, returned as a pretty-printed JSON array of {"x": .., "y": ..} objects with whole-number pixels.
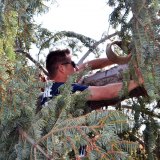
[
  {"x": 142, "y": 29},
  {"x": 64, "y": 127}
]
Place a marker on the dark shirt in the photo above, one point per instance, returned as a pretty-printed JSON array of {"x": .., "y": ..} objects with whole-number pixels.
[{"x": 53, "y": 90}]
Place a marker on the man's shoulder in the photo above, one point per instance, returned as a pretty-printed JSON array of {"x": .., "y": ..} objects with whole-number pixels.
[
  {"x": 53, "y": 90},
  {"x": 56, "y": 84}
]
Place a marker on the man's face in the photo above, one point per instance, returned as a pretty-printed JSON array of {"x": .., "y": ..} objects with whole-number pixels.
[{"x": 69, "y": 66}]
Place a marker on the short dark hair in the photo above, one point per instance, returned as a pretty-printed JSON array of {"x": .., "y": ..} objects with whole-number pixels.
[{"x": 54, "y": 58}]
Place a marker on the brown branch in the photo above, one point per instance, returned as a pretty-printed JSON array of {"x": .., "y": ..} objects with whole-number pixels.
[
  {"x": 63, "y": 129},
  {"x": 95, "y": 45},
  {"x": 73, "y": 146},
  {"x": 137, "y": 139},
  {"x": 156, "y": 21},
  {"x": 32, "y": 59},
  {"x": 143, "y": 110},
  {"x": 33, "y": 143}
]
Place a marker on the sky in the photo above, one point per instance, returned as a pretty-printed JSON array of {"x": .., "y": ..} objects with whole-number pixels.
[{"x": 87, "y": 17}]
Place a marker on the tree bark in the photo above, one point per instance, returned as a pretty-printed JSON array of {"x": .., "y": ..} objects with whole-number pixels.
[{"x": 112, "y": 75}]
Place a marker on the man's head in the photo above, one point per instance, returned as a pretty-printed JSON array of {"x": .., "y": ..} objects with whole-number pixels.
[{"x": 59, "y": 64}]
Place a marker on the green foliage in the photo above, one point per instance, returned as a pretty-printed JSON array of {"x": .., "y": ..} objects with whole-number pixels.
[
  {"x": 70, "y": 133},
  {"x": 17, "y": 107},
  {"x": 121, "y": 16},
  {"x": 142, "y": 26},
  {"x": 150, "y": 136},
  {"x": 76, "y": 42},
  {"x": 60, "y": 129},
  {"x": 67, "y": 129},
  {"x": 146, "y": 46},
  {"x": 8, "y": 34},
  {"x": 16, "y": 24}
]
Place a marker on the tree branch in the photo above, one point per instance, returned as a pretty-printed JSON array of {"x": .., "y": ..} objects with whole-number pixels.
[
  {"x": 95, "y": 45},
  {"x": 67, "y": 34},
  {"x": 33, "y": 143},
  {"x": 143, "y": 110},
  {"x": 32, "y": 59}
]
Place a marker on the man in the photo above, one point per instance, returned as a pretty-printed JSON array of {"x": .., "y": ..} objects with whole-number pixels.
[{"x": 60, "y": 66}]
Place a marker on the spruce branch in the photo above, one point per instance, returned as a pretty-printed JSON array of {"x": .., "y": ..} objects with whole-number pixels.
[
  {"x": 33, "y": 143},
  {"x": 143, "y": 110},
  {"x": 136, "y": 138},
  {"x": 87, "y": 41},
  {"x": 73, "y": 146},
  {"x": 54, "y": 131},
  {"x": 84, "y": 39},
  {"x": 80, "y": 123},
  {"x": 95, "y": 45},
  {"x": 32, "y": 59}
]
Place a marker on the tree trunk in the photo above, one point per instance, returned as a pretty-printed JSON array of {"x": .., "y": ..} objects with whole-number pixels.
[{"x": 112, "y": 75}]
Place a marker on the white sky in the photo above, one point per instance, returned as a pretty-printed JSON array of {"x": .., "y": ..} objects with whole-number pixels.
[{"x": 87, "y": 17}]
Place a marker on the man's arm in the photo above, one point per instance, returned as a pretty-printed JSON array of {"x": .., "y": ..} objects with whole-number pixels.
[
  {"x": 95, "y": 64},
  {"x": 109, "y": 91}
]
